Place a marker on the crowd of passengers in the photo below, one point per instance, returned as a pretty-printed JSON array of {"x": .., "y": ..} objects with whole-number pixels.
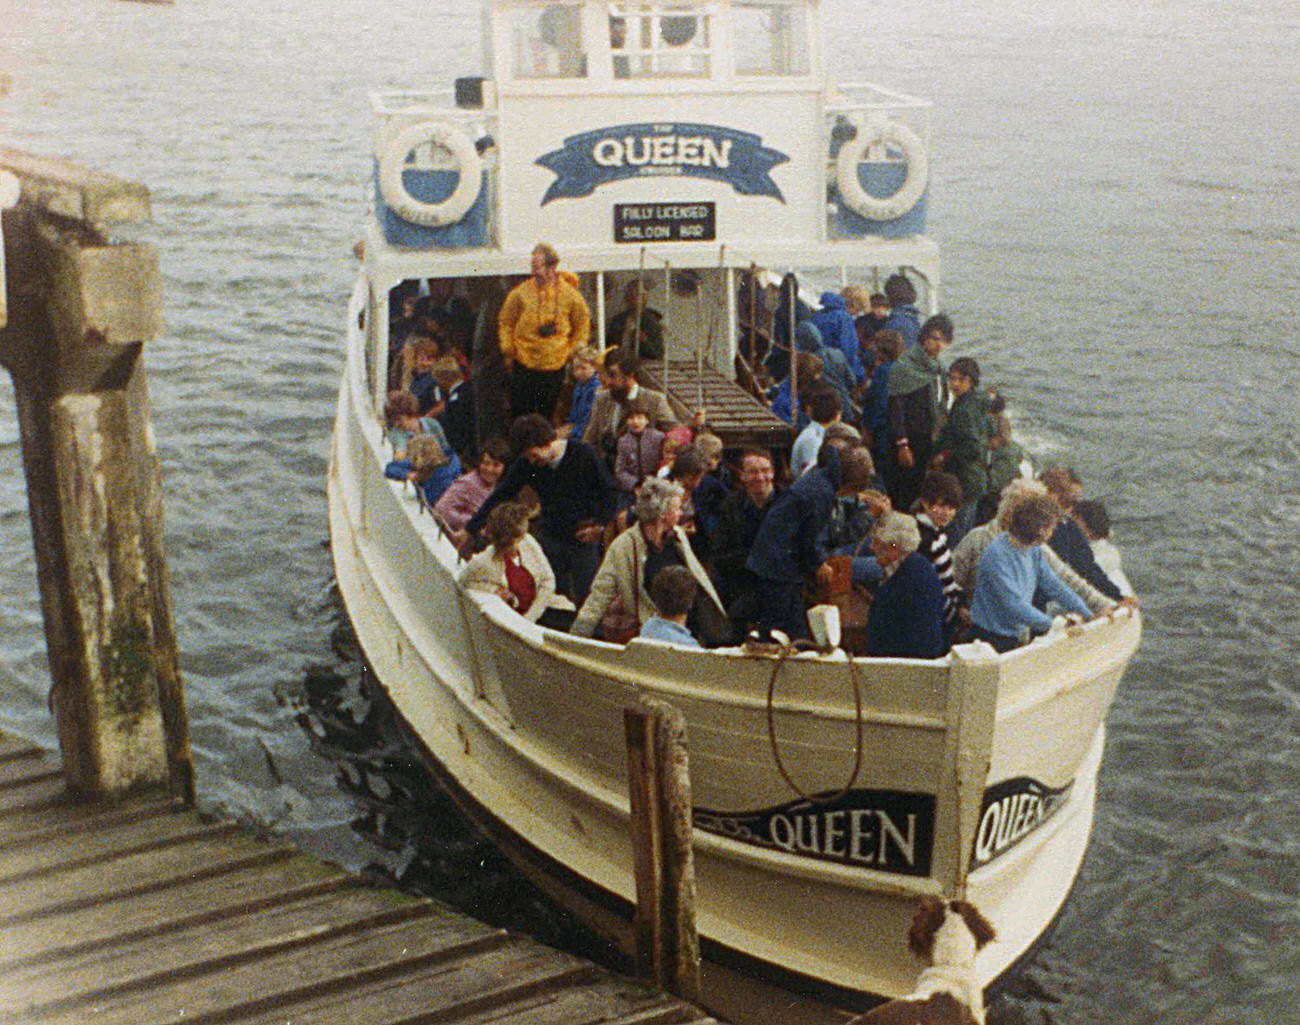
[{"x": 904, "y": 500}]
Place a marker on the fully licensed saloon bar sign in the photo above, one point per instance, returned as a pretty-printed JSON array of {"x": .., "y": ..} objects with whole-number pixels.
[{"x": 665, "y": 222}]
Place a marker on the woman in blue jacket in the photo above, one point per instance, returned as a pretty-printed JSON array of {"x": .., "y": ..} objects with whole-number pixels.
[{"x": 906, "y": 618}]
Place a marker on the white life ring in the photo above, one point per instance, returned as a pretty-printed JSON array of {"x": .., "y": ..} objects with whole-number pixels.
[
  {"x": 392, "y": 163},
  {"x": 855, "y": 197}
]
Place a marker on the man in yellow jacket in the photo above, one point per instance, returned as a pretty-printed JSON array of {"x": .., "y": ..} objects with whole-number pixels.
[{"x": 541, "y": 323}]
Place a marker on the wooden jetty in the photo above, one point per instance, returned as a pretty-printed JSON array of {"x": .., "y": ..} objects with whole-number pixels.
[
  {"x": 144, "y": 912},
  {"x": 119, "y": 904}
]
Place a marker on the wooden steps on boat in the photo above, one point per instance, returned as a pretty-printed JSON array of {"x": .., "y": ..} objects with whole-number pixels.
[
  {"x": 735, "y": 416},
  {"x": 143, "y": 911}
]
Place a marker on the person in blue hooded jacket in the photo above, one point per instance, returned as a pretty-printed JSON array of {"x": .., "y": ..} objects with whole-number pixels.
[
  {"x": 790, "y": 546},
  {"x": 834, "y": 371},
  {"x": 836, "y": 327}
]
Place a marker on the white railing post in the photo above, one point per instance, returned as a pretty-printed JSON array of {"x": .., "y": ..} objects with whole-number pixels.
[{"x": 972, "y": 716}]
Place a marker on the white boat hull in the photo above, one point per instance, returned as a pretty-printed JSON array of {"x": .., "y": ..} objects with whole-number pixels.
[{"x": 526, "y": 725}]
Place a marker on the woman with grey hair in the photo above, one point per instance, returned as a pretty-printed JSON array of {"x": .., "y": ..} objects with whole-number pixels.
[
  {"x": 906, "y": 618},
  {"x": 966, "y": 557},
  {"x": 898, "y": 531},
  {"x": 636, "y": 556}
]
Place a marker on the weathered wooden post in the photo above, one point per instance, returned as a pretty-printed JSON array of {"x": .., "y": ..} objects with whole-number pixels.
[
  {"x": 80, "y": 307},
  {"x": 659, "y": 784}
]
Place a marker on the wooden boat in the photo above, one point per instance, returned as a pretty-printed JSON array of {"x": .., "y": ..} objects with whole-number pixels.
[{"x": 696, "y": 140}]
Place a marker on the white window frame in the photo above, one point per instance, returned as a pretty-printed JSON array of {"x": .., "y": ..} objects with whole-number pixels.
[
  {"x": 634, "y": 12},
  {"x": 810, "y": 55}
]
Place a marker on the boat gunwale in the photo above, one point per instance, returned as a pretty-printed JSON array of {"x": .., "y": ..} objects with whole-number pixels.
[
  {"x": 560, "y": 645},
  {"x": 497, "y": 722}
]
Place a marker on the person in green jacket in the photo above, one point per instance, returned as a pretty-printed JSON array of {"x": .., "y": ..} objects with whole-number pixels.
[
  {"x": 962, "y": 446},
  {"x": 1006, "y": 458}
]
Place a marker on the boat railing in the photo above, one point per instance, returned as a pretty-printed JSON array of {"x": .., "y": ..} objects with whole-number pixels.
[
  {"x": 397, "y": 101},
  {"x": 863, "y": 102},
  {"x": 854, "y": 94},
  {"x": 396, "y": 109}
]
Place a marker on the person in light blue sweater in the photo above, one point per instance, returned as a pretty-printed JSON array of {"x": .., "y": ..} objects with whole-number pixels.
[
  {"x": 823, "y": 410},
  {"x": 1011, "y": 571},
  {"x": 673, "y": 590}
]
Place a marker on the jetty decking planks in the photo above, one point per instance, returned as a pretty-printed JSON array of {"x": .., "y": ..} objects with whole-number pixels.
[
  {"x": 71, "y": 819},
  {"x": 241, "y": 891},
  {"x": 60, "y": 853},
  {"x": 42, "y": 792},
  {"x": 144, "y": 912}
]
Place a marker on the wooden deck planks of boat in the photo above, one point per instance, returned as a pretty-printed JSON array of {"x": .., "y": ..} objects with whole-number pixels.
[
  {"x": 143, "y": 911},
  {"x": 734, "y": 415}
]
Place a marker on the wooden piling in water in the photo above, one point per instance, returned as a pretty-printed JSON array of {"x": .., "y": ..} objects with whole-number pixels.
[
  {"x": 659, "y": 787},
  {"x": 80, "y": 307}
]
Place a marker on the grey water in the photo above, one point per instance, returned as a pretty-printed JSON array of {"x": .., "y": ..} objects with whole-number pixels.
[{"x": 1115, "y": 190}]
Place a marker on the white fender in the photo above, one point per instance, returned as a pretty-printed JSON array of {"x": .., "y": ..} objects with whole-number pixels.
[
  {"x": 393, "y": 161},
  {"x": 855, "y": 197}
]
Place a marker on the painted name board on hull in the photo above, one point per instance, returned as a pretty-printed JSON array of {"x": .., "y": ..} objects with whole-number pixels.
[
  {"x": 665, "y": 222},
  {"x": 1011, "y": 811},
  {"x": 619, "y": 152},
  {"x": 888, "y": 830}
]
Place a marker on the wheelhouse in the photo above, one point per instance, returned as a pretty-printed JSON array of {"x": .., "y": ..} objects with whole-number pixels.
[{"x": 693, "y": 143}]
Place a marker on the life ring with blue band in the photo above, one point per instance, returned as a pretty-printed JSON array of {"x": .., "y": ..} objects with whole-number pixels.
[
  {"x": 858, "y": 199},
  {"x": 392, "y": 163}
]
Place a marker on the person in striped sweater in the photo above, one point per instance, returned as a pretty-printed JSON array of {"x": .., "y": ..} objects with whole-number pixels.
[{"x": 939, "y": 500}]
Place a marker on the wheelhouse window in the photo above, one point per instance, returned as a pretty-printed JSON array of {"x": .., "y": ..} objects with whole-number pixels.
[
  {"x": 547, "y": 41},
  {"x": 771, "y": 37},
  {"x": 660, "y": 40}
]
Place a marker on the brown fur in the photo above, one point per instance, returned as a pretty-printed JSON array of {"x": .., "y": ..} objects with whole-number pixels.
[
  {"x": 940, "y": 1009},
  {"x": 925, "y": 923},
  {"x": 929, "y": 917},
  {"x": 980, "y": 927}
]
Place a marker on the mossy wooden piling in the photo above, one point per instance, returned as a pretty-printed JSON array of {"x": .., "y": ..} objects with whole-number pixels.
[
  {"x": 659, "y": 789},
  {"x": 80, "y": 307}
]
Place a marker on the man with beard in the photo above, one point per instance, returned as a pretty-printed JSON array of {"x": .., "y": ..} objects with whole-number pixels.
[
  {"x": 638, "y": 330},
  {"x": 610, "y": 408},
  {"x": 542, "y": 321}
]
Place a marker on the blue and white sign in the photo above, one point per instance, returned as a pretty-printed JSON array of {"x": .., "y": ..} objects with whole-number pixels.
[{"x": 621, "y": 152}]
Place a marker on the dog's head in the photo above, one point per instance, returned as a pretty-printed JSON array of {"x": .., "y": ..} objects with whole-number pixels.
[{"x": 948, "y": 931}]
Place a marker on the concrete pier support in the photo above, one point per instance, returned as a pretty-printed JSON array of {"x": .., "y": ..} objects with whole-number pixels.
[{"x": 79, "y": 308}]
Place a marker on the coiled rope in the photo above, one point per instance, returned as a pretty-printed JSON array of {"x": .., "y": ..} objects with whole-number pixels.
[{"x": 784, "y": 653}]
